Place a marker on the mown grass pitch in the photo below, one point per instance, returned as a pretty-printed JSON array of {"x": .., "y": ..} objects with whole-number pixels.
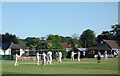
[{"x": 89, "y": 66}]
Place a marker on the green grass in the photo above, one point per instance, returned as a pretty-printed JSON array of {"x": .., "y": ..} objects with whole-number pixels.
[{"x": 109, "y": 66}]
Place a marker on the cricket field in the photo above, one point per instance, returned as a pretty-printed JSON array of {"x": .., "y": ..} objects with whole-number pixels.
[{"x": 89, "y": 66}]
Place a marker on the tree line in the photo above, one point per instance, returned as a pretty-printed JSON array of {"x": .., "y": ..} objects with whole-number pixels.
[{"x": 86, "y": 39}]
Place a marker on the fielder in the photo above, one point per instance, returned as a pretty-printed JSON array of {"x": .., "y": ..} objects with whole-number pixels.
[
  {"x": 37, "y": 57},
  {"x": 47, "y": 58},
  {"x": 59, "y": 56},
  {"x": 79, "y": 55},
  {"x": 72, "y": 55},
  {"x": 43, "y": 58},
  {"x": 49, "y": 55},
  {"x": 99, "y": 57},
  {"x": 105, "y": 54},
  {"x": 83, "y": 55},
  {"x": 16, "y": 58}
]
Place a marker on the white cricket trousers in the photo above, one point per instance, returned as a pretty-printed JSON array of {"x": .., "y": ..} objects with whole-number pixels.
[
  {"x": 43, "y": 61},
  {"x": 59, "y": 59},
  {"x": 16, "y": 64},
  {"x": 105, "y": 56},
  {"x": 49, "y": 59},
  {"x": 78, "y": 58},
  {"x": 37, "y": 61},
  {"x": 72, "y": 58}
]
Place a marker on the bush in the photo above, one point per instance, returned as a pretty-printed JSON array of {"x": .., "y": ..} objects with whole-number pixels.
[{"x": 64, "y": 53}]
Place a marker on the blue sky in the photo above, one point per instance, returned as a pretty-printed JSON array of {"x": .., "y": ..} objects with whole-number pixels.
[{"x": 28, "y": 19}]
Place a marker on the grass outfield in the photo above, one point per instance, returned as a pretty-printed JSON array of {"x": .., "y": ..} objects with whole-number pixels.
[{"x": 89, "y": 66}]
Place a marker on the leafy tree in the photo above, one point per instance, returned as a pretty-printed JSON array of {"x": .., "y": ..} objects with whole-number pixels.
[
  {"x": 7, "y": 38},
  {"x": 55, "y": 41},
  {"x": 65, "y": 39},
  {"x": 74, "y": 43},
  {"x": 21, "y": 41},
  {"x": 87, "y": 38},
  {"x": 64, "y": 53},
  {"x": 105, "y": 35},
  {"x": 116, "y": 31},
  {"x": 46, "y": 44},
  {"x": 49, "y": 44},
  {"x": 32, "y": 42}
]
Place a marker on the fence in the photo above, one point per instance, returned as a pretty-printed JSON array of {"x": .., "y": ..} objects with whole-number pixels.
[{"x": 5, "y": 57}]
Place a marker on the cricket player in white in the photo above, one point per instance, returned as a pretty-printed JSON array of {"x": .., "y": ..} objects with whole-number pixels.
[
  {"x": 72, "y": 55},
  {"x": 16, "y": 58},
  {"x": 47, "y": 58},
  {"x": 43, "y": 58},
  {"x": 60, "y": 56},
  {"x": 78, "y": 55},
  {"x": 37, "y": 57},
  {"x": 49, "y": 54},
  {"x": 105, "y": 54}
]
